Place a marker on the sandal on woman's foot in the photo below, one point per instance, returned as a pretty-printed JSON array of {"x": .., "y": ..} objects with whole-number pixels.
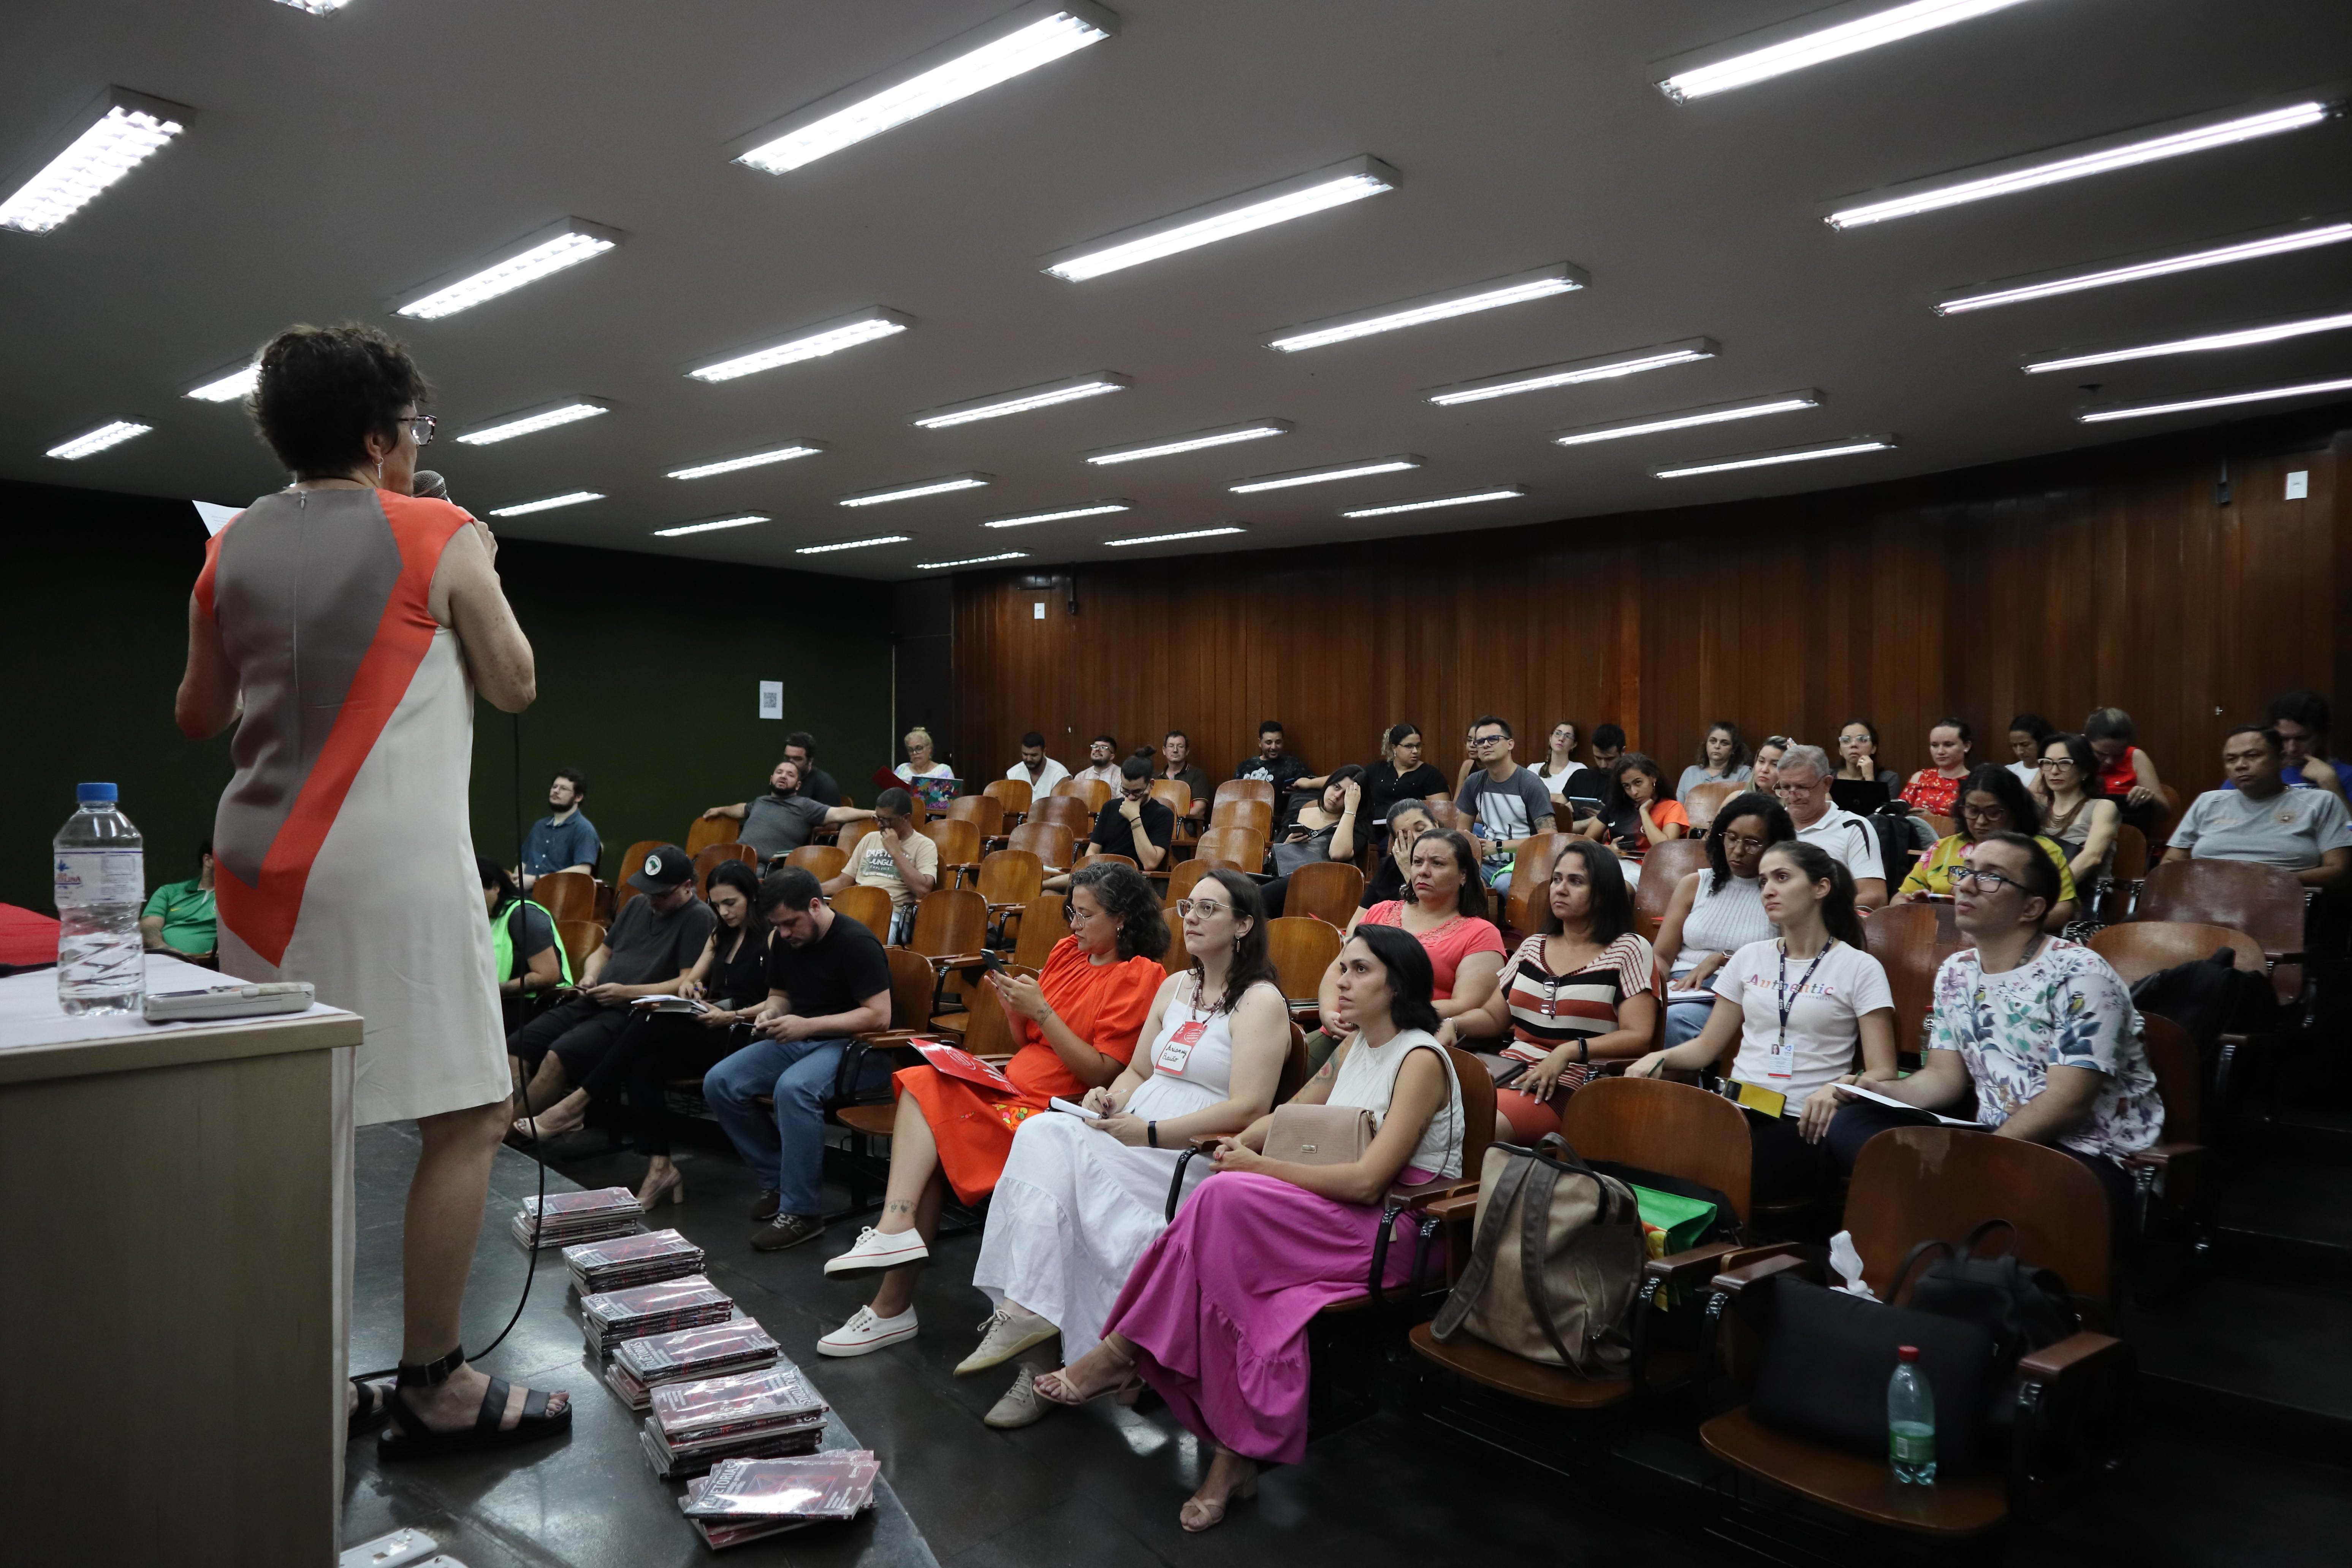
[
  {"x": 368, "y": 1410},
  {"x": 1056, "y": 1388},
  {"x": 408, "y": 1436},
  {"x": 1200, "y": 1513}
]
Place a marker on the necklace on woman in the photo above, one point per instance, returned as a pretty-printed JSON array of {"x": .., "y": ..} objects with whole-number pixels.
[{"x": 2059, "y": 825}]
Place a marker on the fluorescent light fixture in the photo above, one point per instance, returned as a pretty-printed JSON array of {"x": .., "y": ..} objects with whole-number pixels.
[
  {"x": 1395, "y": 465},
  {"x": 1426, "y": 502},
  {"x": 1575, "y": 372},
  {"x": 854, "y": 544},
  {"x": 2043, "y": 286},
  {"x": 116, "y": 134},
  {"x": 227, "y": 385},
  {"x": 1172, "y": 538},
  {"x": 1560, "y": 277},
  {"x": 2094, "y": 157},
  {"x": 809, "y": 343},
  {"x": 997, "y": 51},
  {"x": 1045, "y": 395},
  {"x": 2203, "y": 400},
  {"x": 96, "y": 441},
  {"x": 1090, "y": 509},
  {"x": 530, "y": 421},
  {"x": 972, "y": 560},
  {"x": 938, "y": 487},
  {"x": 1222, "y": 436},
  {"x": 1279, "y": 203},
  {"x": 1684, "y": 418},
  {"x": 317, "y": 7},
  {"x": 783, "y": 454},
  {"x": 542, "y": 253},
  {"x": 524, "y": 508},
  {"x": 743, "y": 521},
  {"x": 2243, "y": 337},
  {"x": 1772, "y": 458},
  {"x": 1818, "y": 45}
]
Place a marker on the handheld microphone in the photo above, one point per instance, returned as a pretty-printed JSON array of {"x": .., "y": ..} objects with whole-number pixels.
[{"x": 426, "y": 485}]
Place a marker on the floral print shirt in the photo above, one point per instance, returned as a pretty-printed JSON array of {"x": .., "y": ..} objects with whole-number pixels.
[{"x": 2063, "y": 1009}]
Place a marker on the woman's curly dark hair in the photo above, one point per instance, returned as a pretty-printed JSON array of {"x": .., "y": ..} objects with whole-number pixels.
[
  {"x": 323, "y": 391},
  {"x": 1126, "y": 895}
]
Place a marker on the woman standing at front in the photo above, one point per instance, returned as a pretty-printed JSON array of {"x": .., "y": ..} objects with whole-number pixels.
[
  {"x": 1079, "y": 1201},
  {"x": 344, "y": 627},
  {"x": 1214, "y": 1316}
]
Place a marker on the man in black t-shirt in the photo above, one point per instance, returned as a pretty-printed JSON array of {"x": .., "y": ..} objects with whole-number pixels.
[
  {"x": 1132, "y": 809},
  {"x": 1275, "y": 765},
  {"x": 654, "y": 940},
  {"x": 828, "y": 981}
]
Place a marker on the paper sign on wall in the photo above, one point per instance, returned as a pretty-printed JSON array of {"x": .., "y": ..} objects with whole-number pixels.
[
  {"x": 2298, "y": 485},
  {"x": 772, "y": 700}
]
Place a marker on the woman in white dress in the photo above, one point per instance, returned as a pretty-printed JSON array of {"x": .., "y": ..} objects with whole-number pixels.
[{"x": 1080, "y": 1199}]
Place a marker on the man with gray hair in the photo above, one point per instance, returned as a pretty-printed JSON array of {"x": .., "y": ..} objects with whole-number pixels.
[{"x": 1804, "y": 788}]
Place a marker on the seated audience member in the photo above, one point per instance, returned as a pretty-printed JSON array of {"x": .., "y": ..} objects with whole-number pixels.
[
  {"x": 1080, "y": 1200},
  {"x": 178, "y": 917},
  {"x": 1102, "y": 763},
  {"x": 524, "y": 952},
  {"x": 2074, "y": 811},
  {"x": 1797, "y": 1009},
  {"x": 781, "y": 821},
  {"x": 2260, "y": 819},
  {"x": 1576, "y": 993},
  {"x": 1635, "y": 810},
  {"x": 1715, "y": 913},
  {"x": 1275, "y": 765},
  {"x": 919, "y": 764},
  {"x": 1215, "y": 1315},
  {"x": 1608, "y": 745},
  {"x": 827, "y": 981},
  {"x": 1036, "y": 769},
  {"x": 800, "y": 748},
  {"x": 1505, "y": 801},
  {"x": 649, "y": 952},
  {"x": 894, "y": 857},
  {"x": 2042, "y": 1028},
  {"x": 2126, "y": 773},
  {"x": 1858, "y": 756},
  {"x": 2300, "y": 716},
  {"x": 1401, "y": 776},
  {"x": 1767, "y": 776},
  {"x": 1803, "y": 786},
  {"x": 1074, "y": 1025},
  {"x": 1176, "y": 762},
  {"x": 2028, "y": 734},
  {"x": 1561, "y": 775},
  {"x": 1723, "y": 757},
  {"x": 1132, "y": 824},
  {"x": 1324, "y": 829},
  {"x": 564, "y": 839},
  {"x": 1391, "y": 878},
  {"x": 1991, "y": 800},
  {"x": 731, "y": 978},
  {"x": 1446, "y": 913},
  {"x": 1934, "y": 788}
]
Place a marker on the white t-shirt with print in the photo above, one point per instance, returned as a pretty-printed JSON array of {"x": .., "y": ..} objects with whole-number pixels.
[
  {"x": 1826, "y": 1003},
  {"x": 1849, "y": 841}
]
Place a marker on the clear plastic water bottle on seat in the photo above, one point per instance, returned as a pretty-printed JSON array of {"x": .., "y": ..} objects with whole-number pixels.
[
  {"x": 1911, "y": 1420},
  {"x": 99, "y": 865}
]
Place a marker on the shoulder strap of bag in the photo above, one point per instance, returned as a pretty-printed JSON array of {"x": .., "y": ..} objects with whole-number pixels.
[
  {"x": 1968, "y": 1248},
  {"x": 1894, "y": 1287},
  {"x": 1534, "y": 1229},
  {"x": 1489, "y": 1239}
]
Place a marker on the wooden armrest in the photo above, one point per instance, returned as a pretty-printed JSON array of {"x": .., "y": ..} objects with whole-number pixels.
[
  {"x": 2164, "y": 1154},
  {"x": 889, "y": 1037},
  {"x": 958, "y": 961},
  {"x": 1454, "y": 1209},
  {"x": 1680, "y": 1268},
  {"x": 1732, "y": 1281},
  {"x": 2058, "y": 1362},
  {"x": 1421, "y": 1194}
]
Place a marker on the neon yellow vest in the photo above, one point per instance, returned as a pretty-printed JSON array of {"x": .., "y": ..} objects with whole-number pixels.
[{"x": 502, "y": 942}]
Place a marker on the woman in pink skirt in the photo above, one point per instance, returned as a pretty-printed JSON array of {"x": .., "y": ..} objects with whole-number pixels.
[{"x": 1215, "y": 1315}]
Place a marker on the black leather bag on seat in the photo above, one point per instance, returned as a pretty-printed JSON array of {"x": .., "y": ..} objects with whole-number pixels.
[{"x": 1827, "y": 1358}]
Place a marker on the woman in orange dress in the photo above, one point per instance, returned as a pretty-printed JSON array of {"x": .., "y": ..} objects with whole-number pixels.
[{"x": 1075, "y": 1027}]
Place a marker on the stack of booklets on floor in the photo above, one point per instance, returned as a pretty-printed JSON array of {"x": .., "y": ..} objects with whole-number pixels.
[
  {"x": 615, "y": 1265},
  {"x": 758, "y": 1414},
  {"x": 743, "y": 1499},
  {"x": 561, "y": 1218},
  {"x": 606, "y": 1319},
  {"x": 690, "y": 1355}
]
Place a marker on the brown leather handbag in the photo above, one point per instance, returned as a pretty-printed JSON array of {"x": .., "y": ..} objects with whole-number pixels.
[{"x": 1320, "y": 1135}]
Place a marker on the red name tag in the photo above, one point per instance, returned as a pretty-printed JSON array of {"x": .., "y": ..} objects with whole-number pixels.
[{"x": 1177, "y": 1049}]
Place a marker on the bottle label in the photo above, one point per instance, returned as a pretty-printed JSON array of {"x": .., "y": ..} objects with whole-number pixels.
[
  {"x": 1907, "y": 1448},
  {"x": 89, "y": 877}
]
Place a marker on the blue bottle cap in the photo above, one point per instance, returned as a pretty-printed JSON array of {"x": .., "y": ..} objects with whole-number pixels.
[{"x": 94, "y": 792}]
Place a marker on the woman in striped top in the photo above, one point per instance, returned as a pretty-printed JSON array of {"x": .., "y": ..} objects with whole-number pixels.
[{"x": 1574, "y": 995}]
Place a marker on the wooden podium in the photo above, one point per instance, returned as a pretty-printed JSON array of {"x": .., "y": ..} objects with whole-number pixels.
[{"x": 175, "y": 1246}]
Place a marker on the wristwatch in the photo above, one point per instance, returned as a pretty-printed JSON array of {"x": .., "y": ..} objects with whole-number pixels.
[{"x": 1151, "y": 1134}]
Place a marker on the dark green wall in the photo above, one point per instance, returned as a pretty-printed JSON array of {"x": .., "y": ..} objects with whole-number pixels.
[{"x": 648, "y": 681}]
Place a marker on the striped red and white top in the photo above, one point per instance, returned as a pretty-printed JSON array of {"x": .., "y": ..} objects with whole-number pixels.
[{"x": 1548, "y": 1010}]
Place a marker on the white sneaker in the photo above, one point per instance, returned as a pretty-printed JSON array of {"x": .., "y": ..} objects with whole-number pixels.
[
  {"x": 1020, "y": 1406},
  {"x": 875, "y": 1252},
  {"x": 1008, "y": 1331},
  {"x": 865, "y": 1333}
]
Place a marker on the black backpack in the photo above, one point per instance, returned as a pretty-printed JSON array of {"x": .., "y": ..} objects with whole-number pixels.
[
  {"x": 1890, "y": 835},
  {"x": 2208, "y": 999},
  {"x": 2021, "y": 1308}
]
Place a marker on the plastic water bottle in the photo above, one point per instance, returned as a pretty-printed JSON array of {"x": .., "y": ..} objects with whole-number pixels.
[
  {"x": 101, "y": 884},
  {"x": 1911, "y": 1420}
]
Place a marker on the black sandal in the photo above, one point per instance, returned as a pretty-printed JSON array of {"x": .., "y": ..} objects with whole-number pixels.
[
  {"x": 409, "y": 1438},
  {"x": 368, "y": 1410}
]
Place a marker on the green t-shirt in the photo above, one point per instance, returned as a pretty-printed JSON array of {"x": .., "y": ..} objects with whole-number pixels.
[{"x": 187, "y": 912}]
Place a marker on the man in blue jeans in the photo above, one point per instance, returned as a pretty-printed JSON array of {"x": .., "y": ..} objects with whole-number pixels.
[{"x": 827, "y": 981}]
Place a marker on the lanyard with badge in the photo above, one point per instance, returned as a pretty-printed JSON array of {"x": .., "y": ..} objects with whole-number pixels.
[
  {"x": 1176, "y": 1050},
  {"x": 1782, "y": 1061}
]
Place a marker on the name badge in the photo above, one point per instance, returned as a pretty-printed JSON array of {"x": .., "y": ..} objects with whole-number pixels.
[
  {"x": 1782, "y": 1060},
  {"x": 1177, "y": 1049}
]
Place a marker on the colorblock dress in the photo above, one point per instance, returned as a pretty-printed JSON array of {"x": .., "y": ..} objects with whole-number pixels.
[{"x": 343, "y": 843}]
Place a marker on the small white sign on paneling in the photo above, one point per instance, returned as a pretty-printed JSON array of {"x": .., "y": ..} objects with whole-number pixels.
[
  {"x": 1037, "y": 610},
  {"x": 2298, "y": 485},
  {"x": 772, "y": 700}
]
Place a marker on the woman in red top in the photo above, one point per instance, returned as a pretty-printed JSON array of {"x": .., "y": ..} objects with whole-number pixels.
[
  {"x": 1447, "y": 915},
  {"x": 2125, "y": 774},
  {"x": 1933, "y": 790},
  {"x": 1075, "y": 1028}
]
